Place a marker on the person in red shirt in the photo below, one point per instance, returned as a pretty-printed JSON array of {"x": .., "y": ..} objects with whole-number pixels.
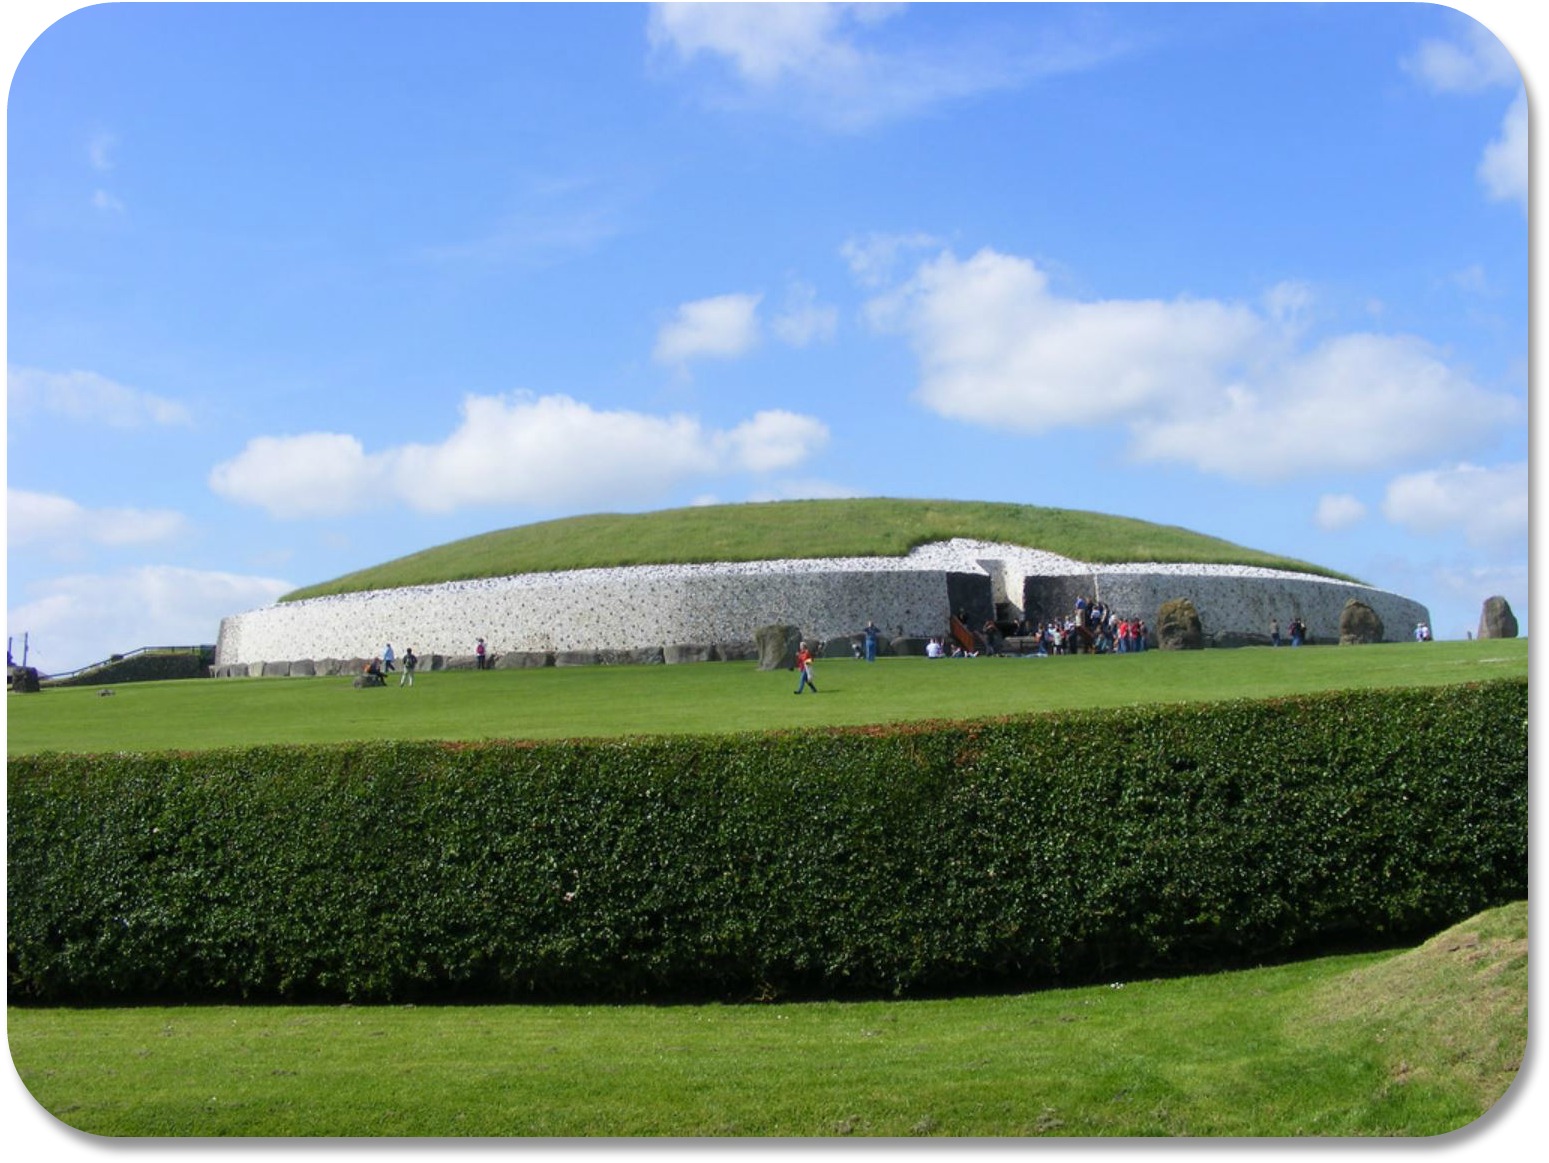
[{"x": 804, "y": 665}]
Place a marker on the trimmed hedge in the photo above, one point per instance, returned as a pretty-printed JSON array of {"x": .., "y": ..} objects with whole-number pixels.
[{"x": 1039, "y": 850}]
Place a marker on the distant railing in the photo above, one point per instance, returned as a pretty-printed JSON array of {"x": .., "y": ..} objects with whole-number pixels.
[{"x": 112, "y": 659}]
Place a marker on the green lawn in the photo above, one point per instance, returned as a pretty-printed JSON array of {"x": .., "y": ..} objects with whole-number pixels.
[
  {"x": 713, "y": 696},
  {"x": 1411, "y": 1043}
]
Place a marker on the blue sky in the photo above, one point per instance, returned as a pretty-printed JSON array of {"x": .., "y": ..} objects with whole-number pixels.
[{"x": 294, "y": 289}]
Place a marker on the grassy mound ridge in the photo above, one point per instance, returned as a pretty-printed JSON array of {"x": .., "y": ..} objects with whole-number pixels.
[
  {"x": 1453, "y": 1009},
  {"x": 863, "y": 527}
]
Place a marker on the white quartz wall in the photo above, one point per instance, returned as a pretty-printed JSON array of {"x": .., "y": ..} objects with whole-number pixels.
[
  {"x": 643, "y": 607},
  {"x": 1243, "y": 605},
  {"x": 621, "y": 609}
]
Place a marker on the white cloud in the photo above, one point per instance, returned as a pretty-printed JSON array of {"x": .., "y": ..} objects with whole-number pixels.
[
  {"x": 1288, "y": 303},
  {"x": 47, "y": 519},
  {"x": 803, "y": 320},
  {"x": 90, "y": 398},
  {"x": 1212, "y": 384},
  {"x": 764, "y": 42},
  {"x": 997, "y": 347},
  {"x": 1488, "y": 505},
  {"x": 316, "y": 474},
  {"x": 1338, "y": 511},
  {"x": 1354, "y": 402},
  {"x": 1479, "y": 62},
  {"x": 772, "y": 440},
  {"x": 515, "y": 450},
  {"x": 874, "y": 258},
  {"x": 1504, "y": 167},
  {"x": 722, "y": 327},
  {"x": 107, "y": 203},
  {"x": 830, "y": 64},
  {"x": 80, "y": 619}
]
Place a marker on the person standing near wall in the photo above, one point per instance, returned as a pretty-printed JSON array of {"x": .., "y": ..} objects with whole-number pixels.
[
  {"x": 410, "y": 661},
  {"x": 479, "y": 656},
  {"x": 872, "y": 634}
]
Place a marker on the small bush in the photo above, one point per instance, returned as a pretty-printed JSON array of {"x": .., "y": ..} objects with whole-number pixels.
[{"x": 1044, "y": 849}]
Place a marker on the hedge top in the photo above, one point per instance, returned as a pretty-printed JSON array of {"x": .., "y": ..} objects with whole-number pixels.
[{"x": 857, "y": 527}]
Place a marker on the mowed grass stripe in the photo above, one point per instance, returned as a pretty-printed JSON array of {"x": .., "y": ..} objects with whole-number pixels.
[{"x": 711, "y": 697}]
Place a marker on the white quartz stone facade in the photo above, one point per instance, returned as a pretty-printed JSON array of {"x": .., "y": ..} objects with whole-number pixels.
[{"x": 646, "y": 608}]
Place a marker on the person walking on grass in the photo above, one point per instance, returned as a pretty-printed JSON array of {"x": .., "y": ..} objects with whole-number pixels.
[
  {"x": 804, "y": 665},
  {"x": 387, "y": 660},
  {"x": 410, "y": 661}
]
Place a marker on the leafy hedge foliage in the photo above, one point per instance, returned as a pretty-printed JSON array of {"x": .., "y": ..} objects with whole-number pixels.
[{"x": 1039, "y": 850}]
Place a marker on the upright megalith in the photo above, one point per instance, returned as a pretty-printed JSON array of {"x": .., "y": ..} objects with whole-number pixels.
[
  {"x": 777, "y": 646},
  {"x": 1359, "y": 624},
  {"x": 1178, "y": 626},
  {"x": 1496, "y": 619}
]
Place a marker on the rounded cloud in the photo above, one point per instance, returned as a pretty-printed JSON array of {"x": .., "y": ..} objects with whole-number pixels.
[
  {"x": 1338, "y": 511},
  {"x": 316, "y": 474},
  {"x": 1477, "y": 61},
  {"x": 772, "y": 440},
  {"x": 722, "y": 327},
  {"x": 1216, "y": 385},
  {"x": 1504, "y": 167},
  {"x": 512, "y": 450},
  {"x": 1489, "y": 506},
  {"x": 762, "y": 41},
  {"x": 997, "y": 347}
]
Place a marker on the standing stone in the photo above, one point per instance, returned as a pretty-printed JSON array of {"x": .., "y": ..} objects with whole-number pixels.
[
  {"x": 522, "y": 660},
  {"x": 1359, "y": 624},
  {"x": 777, "y": 646},
  {"x": 1178, "y": 626},
  {"x": 1496, "y": 619}
]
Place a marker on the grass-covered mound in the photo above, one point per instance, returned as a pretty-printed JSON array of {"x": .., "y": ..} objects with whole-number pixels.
[{"x": 862, "y": 527}]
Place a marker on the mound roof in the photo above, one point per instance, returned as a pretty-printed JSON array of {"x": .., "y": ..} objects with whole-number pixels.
[{"x": 857, "y": 527}]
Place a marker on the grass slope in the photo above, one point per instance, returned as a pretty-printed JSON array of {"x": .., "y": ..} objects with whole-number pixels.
[
  {"x": 865, "y": 527},
  {"x": 573, "y": 702},
  {"x": 1420, "y": 1042}
]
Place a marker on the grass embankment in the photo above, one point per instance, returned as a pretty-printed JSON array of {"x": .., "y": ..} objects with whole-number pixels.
[
  {"x": 1411, "y": 1043},
  {"x": 865, "y": 527},
  {"x": 576, "y": 702}
]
